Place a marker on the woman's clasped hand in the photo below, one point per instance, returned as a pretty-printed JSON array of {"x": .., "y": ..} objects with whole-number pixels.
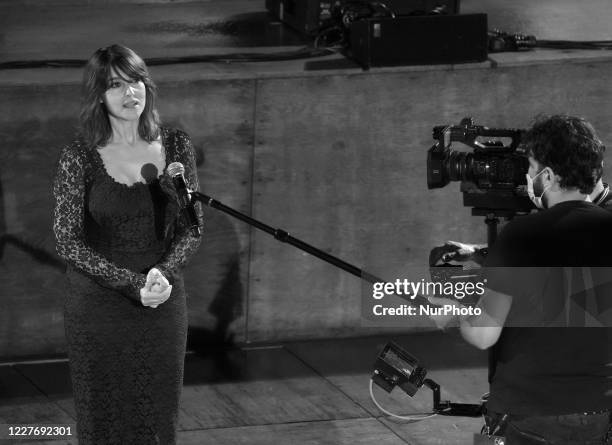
[{"x": 157, "y": 289}]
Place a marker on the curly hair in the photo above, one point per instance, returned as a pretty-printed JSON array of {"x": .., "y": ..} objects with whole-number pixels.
[
  {"x": 94, "y": 122},
  {"x": 568, "y": 145}
]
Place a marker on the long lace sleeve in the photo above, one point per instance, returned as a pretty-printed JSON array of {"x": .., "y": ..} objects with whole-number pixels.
[
  {"x": 68, "y": 222},
  {"x": 184, "y": 244}
]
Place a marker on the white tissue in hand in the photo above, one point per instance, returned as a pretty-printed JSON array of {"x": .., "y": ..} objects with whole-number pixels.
[
  {"x": 156, "y": 287},
  {"x": 153, "y": 274},
  {"x": 156, "y": 280}
]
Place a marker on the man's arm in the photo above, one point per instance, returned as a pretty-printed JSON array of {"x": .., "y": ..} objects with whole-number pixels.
[{"x": 482, "y": 330}]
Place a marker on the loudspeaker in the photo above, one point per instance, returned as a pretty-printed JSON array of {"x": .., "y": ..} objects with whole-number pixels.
[
  {"x": 419, "y": 40},
  {"x": 306, "y": 16}
]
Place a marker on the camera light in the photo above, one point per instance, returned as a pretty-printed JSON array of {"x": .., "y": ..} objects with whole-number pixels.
[{"x": 395, "y": 367}]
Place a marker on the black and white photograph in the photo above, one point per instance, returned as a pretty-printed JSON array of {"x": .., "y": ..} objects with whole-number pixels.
[{"x": 305, "y": 222}]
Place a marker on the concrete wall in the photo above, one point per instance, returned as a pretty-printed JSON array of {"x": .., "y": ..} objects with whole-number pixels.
[{"x": 336, "y": 158}]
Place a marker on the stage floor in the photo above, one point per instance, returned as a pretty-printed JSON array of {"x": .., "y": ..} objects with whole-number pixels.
[{"x": 298, "y": 393}]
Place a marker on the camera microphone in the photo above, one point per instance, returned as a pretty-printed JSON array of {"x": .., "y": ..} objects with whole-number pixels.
[{"x": 176, "y": 171}]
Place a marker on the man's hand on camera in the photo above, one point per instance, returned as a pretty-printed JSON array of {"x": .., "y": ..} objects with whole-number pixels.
[{"x": 460, "y": 252}]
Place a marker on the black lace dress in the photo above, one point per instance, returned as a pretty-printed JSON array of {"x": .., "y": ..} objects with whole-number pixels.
[{"x": 126, "y": 360}]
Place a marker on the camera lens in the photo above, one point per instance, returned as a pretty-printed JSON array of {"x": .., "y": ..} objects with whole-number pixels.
[
  {"x": 458, "y": 166},
  {"x": 484, "y": 169}
]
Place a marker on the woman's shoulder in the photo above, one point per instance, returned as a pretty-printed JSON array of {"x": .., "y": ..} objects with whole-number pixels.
[
  {"x": 177, "y": 143},
  {"x": 175, "y": 135},
  {"x": 77, "y": 148}
]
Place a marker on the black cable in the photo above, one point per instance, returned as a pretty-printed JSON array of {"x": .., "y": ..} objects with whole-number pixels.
[
  {"x": 500, "y": 41},
  {"x": 56, "y": 63},
  {"x": 575, "y": 44},
  {"x": 386, "y": 8},
  {"x": 340, "y": 40},
  {"x": 302, "y": 53}
]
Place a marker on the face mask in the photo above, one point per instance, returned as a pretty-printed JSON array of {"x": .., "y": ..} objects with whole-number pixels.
[{"x": 537, "y": 201}]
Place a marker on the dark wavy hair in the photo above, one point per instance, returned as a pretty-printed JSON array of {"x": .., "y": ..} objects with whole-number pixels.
[
  {"x": 95, "y": 125},
  {"x": 570, "y": 146}
]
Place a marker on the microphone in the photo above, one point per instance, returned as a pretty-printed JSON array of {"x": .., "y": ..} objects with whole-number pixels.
[{"x": 176, "y": 171}]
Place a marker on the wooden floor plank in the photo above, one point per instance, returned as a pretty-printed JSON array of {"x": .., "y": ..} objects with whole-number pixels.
[
  {"x": 307, "y": 393},
  {"x": 439, "y": 430},
  {"x": 53, "y": 379},
  {"x": 334, "y": 432},
  {"x": 13, "y": 385},
  {"x": 263, "y": 386},
  {"x": 464, "y": 385},
  {"x": 348, "y": 363},
  {"x": 22, "y": 403},
  {"x": 72, "y": 441}
]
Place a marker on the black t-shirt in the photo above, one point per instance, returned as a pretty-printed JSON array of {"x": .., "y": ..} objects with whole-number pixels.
[{"x": 549, "y": 370}]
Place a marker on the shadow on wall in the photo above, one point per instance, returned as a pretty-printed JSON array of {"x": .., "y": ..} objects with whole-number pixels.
[
  {"x": 29, "y": 149},
  {"x": 31, "y": 294},
  {"x": 215, "y": 270},
  {"x": 226, "y": 307},
  {"x": 40, "y": 254},
  {"x": 214, "y": 277}
]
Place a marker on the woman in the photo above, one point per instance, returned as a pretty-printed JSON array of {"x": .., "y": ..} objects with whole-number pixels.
[{"x": 117, "y": 225}]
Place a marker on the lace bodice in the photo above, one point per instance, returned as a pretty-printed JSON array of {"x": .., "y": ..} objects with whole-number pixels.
[{"x": 96, "y": 217}]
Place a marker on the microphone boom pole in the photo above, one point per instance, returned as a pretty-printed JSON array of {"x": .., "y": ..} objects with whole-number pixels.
[{"x": 283, "y": 236}]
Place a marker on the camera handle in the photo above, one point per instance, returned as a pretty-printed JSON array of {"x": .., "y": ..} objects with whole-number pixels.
[
  {"x": 447, "y": 408},
  {"x": 283, "y": 236}
]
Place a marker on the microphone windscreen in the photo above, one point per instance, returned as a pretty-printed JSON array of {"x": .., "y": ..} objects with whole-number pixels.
[{"x": 176, "y": 168}]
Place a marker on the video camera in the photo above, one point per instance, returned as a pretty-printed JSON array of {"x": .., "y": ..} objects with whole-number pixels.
[{"x": 492, "y": 176}]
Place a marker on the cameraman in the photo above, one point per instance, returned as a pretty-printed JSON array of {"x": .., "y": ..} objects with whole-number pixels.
[{"x": 548, "y": 385}]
